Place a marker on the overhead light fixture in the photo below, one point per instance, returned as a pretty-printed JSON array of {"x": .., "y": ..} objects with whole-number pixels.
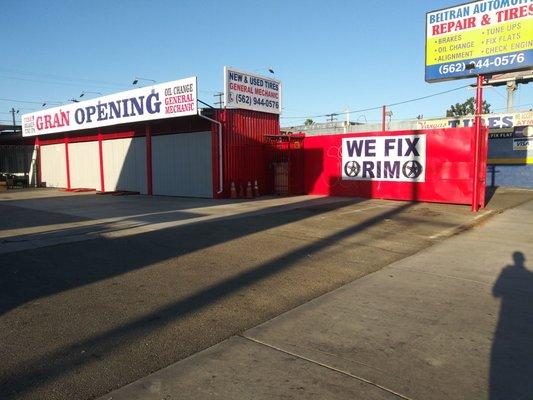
[
  {"x": 74, "y": 100},
  {"x": 137, "y": 79},
  {"x": 269, "y": 69},
  {"x": 86, "y": 92}
]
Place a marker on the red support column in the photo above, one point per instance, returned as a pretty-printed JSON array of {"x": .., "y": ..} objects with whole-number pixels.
[
  {"x": 101, "y": 155},
  {"x": 477, "y": 143},
  {"x": 148, "y": 159},
  {"x": 483, "y": 167},
  {"x": 38, "y": 161},
  {"x": 67, "y": 163},
  {"x": 383, "y": 117}
]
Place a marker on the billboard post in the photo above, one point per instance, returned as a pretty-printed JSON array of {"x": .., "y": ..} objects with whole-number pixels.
[
  {"x": 477, "y": 143},
  {"x": 479, "y": 39}
]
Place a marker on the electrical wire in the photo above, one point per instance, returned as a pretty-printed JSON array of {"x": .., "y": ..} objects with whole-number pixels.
[
  {"x": 517, "y": 106},
  {"x": 379, "y": 107},
  {"x": 32, "y": 102},
  {"x": 62, "y": 78},
  {"x": 57, "y": 82}
]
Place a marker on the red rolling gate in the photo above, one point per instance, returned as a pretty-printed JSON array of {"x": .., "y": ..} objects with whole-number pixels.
[{"x": 388, "y": 165}]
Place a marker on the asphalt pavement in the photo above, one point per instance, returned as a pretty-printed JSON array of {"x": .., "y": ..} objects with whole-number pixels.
[
  {"x": 453, "y": 321},
  {"x": 98, "y": 292}
]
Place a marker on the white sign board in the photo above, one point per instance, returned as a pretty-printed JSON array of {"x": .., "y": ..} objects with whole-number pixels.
[
  {"x": 384, "y": 158},
  {"x": 491, "y": 121},
  {"x": 523, "y": 144},
  {"x": 164, "y": 100},
  {"x": 251, "y": 91}
]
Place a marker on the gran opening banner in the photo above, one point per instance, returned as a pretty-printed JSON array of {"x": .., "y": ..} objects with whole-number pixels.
[
  {"x": 481, "y": 37},
  {"x": 164, "y": 100}
]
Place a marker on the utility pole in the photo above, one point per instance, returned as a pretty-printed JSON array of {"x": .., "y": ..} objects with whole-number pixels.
[
  {"x": 219, "y": 95},
  {"x": 511, "y": 88},
  {"x": 13, "y": 112},
  {"x": 347, "y": 122},
  {"x": 332, "y": 117}
]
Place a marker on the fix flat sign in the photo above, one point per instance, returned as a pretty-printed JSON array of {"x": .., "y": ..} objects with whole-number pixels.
[{"x": 384, "y": 158}]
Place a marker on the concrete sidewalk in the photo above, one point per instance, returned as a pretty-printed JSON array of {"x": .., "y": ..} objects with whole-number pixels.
[{"x": 451, "y": 322}]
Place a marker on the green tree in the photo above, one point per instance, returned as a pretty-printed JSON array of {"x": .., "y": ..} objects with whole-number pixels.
[
  {"x": 467, "y": 108},
  {"x": 308, "y": 122}
]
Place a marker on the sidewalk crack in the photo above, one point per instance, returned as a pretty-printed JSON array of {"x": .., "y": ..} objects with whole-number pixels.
[{"x": 340, "y": 371}]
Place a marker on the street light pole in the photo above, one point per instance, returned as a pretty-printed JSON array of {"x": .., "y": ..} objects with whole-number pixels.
[{"x": 511, "y": 87}]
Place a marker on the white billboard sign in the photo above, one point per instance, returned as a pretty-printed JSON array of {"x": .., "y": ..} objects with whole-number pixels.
[
  {"x": 399, "y": 158},
  {"x": 251, "y": 91},
  {"x": 164, "y": 100}
]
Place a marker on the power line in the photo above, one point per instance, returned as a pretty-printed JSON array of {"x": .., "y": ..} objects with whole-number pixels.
[
  {"x": 379, "y": 107},
  {"x": 519, "y": 105},
  {"x": 59, "y": 77},
  {"x": 32, "y": 102},
  {"x": 426, "y": 97},
  {"x": 220, "y": 96},
  {"x": 57, "y": 82}
]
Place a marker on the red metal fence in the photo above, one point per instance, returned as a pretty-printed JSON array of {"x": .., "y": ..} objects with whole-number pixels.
[{"x": 449, "y": 168}]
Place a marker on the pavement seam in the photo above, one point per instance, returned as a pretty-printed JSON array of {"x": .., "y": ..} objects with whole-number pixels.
[
  {"x": 439, "y": 275},
  {"x": 340, "y": 371},
  {"x": 465, "y": 226}
]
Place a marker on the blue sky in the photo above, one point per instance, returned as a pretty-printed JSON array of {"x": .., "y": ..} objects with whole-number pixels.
[{"x": 329, "y": 55}]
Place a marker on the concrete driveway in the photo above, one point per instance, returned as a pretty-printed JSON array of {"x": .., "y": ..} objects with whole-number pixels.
[{"x": 98, "y": 291}]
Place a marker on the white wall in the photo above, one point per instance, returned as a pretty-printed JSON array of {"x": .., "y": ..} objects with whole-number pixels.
[
  {"x": 182, "y": 165},
  {"x": 125, "y": 164},
  {"x": 84, "y": 161},
  {"x": 53, "y": 165}
]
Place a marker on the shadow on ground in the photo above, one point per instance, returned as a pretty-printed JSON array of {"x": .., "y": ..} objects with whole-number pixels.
[
  {"x": 511, "y": 363},
  {"x": 101, "y": 313},
  {"x": 41, "y": 273}
]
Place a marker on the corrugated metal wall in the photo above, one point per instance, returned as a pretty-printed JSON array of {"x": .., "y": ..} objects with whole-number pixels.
[
  {"x": 182, "y": 164},
  {"x": 84, "y": 162},
  {"x": 53, "y": 165},
  {"x": 125, "y": 164},
  {"x": 244, "y": 148}
]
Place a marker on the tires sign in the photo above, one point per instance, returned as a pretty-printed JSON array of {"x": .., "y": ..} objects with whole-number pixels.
[
  {"x": 479, "y": 37},
  {"x": 250, "y": 91}
]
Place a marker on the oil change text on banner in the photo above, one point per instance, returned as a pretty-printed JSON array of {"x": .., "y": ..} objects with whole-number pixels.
[
  {"x": 384, "y": 158},
  {"x": 480, "y": 37},
  {"x": 165, "y": 100}
]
